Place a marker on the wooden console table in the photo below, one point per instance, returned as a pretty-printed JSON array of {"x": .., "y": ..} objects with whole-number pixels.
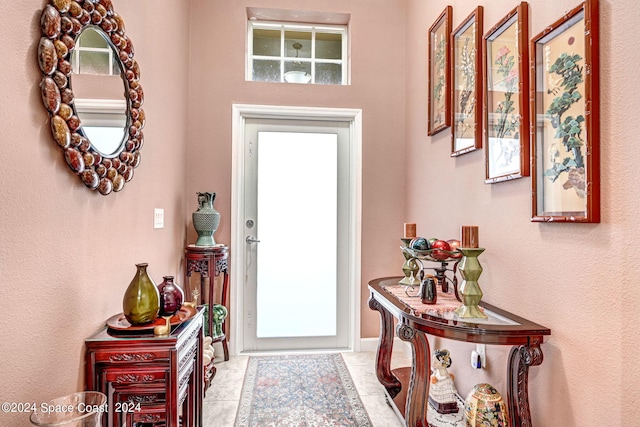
[
  {"x": 407, "y": 389},
  {"x": 206, "y": 260},
  {"x": 149, "y": 379}
]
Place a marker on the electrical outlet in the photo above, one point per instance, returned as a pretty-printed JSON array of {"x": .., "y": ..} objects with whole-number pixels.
[{"x": 158, "y": 218}]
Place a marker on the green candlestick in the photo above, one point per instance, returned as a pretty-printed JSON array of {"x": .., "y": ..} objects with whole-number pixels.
[
  {"x": 409, "y": 268},
  {"x": 470, "y": 269}
]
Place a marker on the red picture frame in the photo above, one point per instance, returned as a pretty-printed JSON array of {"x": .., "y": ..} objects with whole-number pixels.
[
  {"x": 565, "y": 112},
  {"x": 466, "y": 82},
  {"x": 439, "y": 97},
  {"x": 506, "y": 112}
]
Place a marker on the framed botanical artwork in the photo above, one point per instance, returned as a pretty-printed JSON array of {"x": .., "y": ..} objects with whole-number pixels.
[
  {"x": 506, "y": 113},
  {"x": 439, "y": 99},
  {"x": 466, "y": 101},
  {"x": 565, "y": 104}
]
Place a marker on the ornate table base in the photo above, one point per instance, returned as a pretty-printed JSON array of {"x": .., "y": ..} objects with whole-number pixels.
[
  {"x": 206, "y": 260},
  {"x": 408, "y": 388},
  {"x": 147, "y": 378}
]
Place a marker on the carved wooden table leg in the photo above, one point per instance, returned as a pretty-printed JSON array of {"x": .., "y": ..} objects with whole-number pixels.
[
  {"x": 418, "y": 395},
  {"x": 385, "y": 346},
  {"x": 520, "y": 358},
  {"x": 222, "y": 267}
]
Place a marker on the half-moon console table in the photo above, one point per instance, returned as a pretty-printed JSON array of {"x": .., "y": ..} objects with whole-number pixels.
[{"x": 407, "y": 389}]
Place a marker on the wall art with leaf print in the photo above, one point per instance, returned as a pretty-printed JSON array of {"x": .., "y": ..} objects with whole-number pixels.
[
  {"x": 506, "y": 118},
  {"x": 439, "y": 99},
  {"x": 565, "y": 109},
  {"x": 466, "y": 121}
]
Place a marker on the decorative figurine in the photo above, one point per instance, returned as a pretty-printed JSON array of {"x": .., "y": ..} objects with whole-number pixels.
[
  {"x": 195, "y": 295},
  {"x": 442, "y": 392},
  {"x": 218, "y": 314},
  {"x": 164, "y": 329}
]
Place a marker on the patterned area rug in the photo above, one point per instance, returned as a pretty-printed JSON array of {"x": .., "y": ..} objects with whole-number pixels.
[{"x": 309, "y": 390}]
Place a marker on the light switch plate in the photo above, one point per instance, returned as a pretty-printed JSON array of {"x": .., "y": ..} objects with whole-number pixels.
[{"x": 158, "y": 218}]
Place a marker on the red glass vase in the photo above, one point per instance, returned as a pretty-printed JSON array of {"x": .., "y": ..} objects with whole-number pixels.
[{"x": 171, "y": 296}]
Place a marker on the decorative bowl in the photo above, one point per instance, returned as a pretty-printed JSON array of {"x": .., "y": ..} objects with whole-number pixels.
[
  {"x": 485, "y": 407},
  {"x": 435, "y": 255}
]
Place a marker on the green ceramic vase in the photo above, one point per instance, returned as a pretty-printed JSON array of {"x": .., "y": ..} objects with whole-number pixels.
[
  {"x": 206, "y": 219},
  {"x": 141, "y": 301}
]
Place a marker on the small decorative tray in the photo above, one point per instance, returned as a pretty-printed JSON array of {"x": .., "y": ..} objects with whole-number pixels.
[{"x": 121, "y": 324}]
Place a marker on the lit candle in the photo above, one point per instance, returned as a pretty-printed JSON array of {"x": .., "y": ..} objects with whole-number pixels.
[
  {"x": 469, "y": 236},
  {"x": 409, "y": 230}
]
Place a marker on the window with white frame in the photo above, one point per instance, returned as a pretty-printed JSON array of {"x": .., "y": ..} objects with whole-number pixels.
[
  {"x": 94, "y": 55},
  {"x": 297, "y": 53}
]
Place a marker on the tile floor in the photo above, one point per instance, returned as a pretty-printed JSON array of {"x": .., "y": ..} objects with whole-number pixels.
[{"x": 221, "y": 402}]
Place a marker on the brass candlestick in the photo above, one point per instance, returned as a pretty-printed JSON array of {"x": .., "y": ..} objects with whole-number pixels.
[
  {"x": 410, "y": 267},
  {"x": 470, "y": 270}
]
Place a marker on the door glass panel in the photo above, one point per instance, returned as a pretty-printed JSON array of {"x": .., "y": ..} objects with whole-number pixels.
[{"x": 297, "y": 228}]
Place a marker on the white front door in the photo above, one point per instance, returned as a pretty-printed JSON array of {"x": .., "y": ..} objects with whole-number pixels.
[{"x": 296, "y": 289}]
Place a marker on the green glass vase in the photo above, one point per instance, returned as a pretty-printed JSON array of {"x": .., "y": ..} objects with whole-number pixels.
[{"x": 141, "y": 301}]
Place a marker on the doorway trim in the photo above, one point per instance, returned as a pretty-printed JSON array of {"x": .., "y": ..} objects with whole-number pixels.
[{"x": 241, "y": 112}]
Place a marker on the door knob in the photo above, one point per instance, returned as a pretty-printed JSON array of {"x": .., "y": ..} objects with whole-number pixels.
[{"x": 251, "y": 239}]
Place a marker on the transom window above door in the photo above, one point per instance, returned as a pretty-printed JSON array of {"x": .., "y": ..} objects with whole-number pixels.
[{"x": 296, "y": 53}]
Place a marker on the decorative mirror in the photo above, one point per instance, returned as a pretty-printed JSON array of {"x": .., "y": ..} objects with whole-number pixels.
[{"x": 91, "y": 89}]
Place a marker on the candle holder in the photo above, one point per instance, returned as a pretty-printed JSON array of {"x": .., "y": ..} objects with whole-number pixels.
[
  {"x": 410, "y": 267},
  {"x": 470, "y": 292},
  {"x": 441, "y": 277}
]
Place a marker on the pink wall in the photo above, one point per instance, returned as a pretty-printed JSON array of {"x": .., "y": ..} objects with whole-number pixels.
[
  {"x": 218, "y": 35},
  {"x": 67, "y": 254},
  {"x": 578, "y": 280}
]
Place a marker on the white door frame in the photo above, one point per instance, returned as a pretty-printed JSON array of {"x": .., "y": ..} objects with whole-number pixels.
[{"x": 240, "y": 113}]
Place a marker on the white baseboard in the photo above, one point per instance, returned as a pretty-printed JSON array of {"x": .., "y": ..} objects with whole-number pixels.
[
  {"x": 371, "y": 344},
  {"x": 365, "y": 344}
]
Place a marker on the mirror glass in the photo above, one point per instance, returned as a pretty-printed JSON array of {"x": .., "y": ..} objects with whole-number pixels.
[{"x": 99, "y": 89}]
